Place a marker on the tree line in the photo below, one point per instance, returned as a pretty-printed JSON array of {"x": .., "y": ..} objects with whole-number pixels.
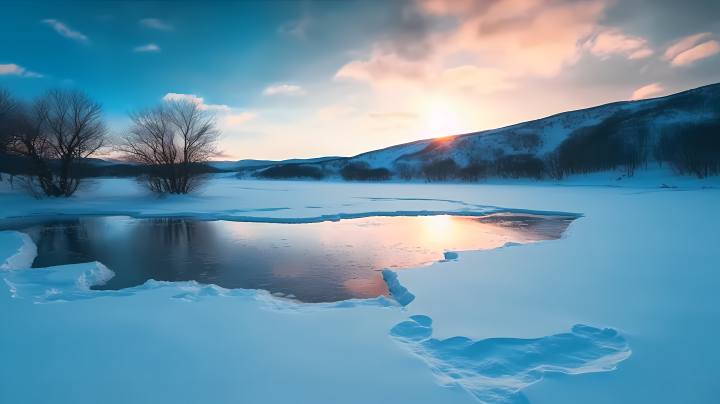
[{"x": 51, "y": 136}]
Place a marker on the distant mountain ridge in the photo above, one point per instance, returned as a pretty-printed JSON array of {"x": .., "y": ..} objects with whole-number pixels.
[
  {"x": 637, "y": 125},
  {"x": 551, "y": 131},
  {"x": 236, "y": 165}
]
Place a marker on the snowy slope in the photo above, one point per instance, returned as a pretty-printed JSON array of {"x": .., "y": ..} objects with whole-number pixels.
[
  {"x": 544, "y": 135},
  {"x": 236, "y": 165}
]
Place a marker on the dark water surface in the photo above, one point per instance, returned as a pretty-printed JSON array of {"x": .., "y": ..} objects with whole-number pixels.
[{"x": 313, "y": 262}]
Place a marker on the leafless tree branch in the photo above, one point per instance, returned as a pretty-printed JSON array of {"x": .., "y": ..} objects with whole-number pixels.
[{"x": 176, "y": 139}]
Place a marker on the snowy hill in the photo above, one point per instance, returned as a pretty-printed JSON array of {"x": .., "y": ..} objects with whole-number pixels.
[
  {"x": 539, "y": 138},
  {"x": 236, "y": 165}
]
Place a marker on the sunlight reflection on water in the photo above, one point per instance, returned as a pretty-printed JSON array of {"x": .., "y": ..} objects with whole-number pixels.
[{"x": 312, "y": 262}]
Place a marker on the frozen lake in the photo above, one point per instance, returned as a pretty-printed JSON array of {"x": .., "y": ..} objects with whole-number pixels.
[
  {"x": 630, "y": 265},
  {"x": 310, "y": 262}
]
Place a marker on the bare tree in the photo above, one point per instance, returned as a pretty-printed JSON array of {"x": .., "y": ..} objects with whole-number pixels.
[
  {"x": 26, "y": 137},
  {"x": 553, "y": 166},
  {"x": 7, "y": 105},
  {"x": 406, "y": 171},
  {"x": 56, "y": 132},
  {"x": 176, "y": 139},
  {"x": 76, "y": 128}
]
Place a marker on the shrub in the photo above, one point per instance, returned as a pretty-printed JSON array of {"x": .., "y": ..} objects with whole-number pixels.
[
  {"x": 526, "y": 141},
  {"x": 440, "y": 170},
  {"x": 520, "y": 165},
  {"x": 553, "y": 169},
  {"x": 529, "y": 141},
  {"x": 406, "y": 171},
  {"x": 616, "y": 141},
  {"x": 360, "y": 171},
  {"x": 290, "y": 171},
  {"x": 692, "y": 149},
  {"x": 474, "y": 171}
]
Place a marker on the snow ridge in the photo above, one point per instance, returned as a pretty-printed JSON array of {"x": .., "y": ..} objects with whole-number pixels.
[
  {"x": 397, "y": 291},
  {"x": 98, "y": 275},
  {"x": 24, "y": 256},
  {"x": 494, "y": 370}
]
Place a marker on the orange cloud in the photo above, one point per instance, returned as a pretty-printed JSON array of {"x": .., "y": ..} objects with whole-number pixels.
[
  {"x": 505, "y": 38},
  {"x": 525, "y": 37},
  {"x": 386, "y": 69},
  {"x": 613, "y": 41},
  {"x": 444, "y": 7},
  {"x": 647, "y": 91},
  {"x": 685, "y": 44},
  {"x": 701, "y": 51}
]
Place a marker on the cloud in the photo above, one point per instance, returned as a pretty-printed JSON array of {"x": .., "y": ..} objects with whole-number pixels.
[
  {"x": 147, "y": 48},
  {"x": 155, "y": 23},
  {"x": 194, "y": 98},
  {"x": 297, "y": 28},
  {"x": 612, "y": 41},
  {"x": 445, "y": 7},
  {"x": 701, "y": 51},
  {"x": 683, "y": 45},
  {"x": 411, "y": 37},
  {"x": 484, "y": 80},
  {"x": 63, "y": 30},
  {"x": 12, "y": 69},
  {"x": 223, "y": 155},
  {"x": 647, "y": 91},
  {"x": 283, "y": 89},
  {"x": 386, "y": 69},
  {"x": 391, "y": 70},
  {"x": 234, "y": 120},
  {"x": 392, "y": 115},
  {"x": 225, "y": 112},
  {"x": 335, "y": 111},
  {"x": 499, "y": 41},
  {"x": 15, "y": 70}
]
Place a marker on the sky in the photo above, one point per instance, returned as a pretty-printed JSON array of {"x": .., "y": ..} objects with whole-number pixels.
[{"x": 305, "y": 79}]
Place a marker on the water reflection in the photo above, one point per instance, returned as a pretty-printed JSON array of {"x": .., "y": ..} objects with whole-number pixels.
[{"x": 315, "y": 262}]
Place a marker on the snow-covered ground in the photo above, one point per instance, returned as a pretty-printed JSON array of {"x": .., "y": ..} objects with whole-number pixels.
[{"x": 642, "y": 261}]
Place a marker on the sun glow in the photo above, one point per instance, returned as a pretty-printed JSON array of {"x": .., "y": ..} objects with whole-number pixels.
[
  {"x": 438, "y": 227},
  {"x": 443, "y": 118},
  {"x": 437, "y": 119}
]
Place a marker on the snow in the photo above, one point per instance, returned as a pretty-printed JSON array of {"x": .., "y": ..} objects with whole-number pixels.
[
  {"x": 495, "y": 370},
  {"x": 641, "y": 261},
  {"x": 397, "y": 291},
  {"x": 18, "y": 251}
]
